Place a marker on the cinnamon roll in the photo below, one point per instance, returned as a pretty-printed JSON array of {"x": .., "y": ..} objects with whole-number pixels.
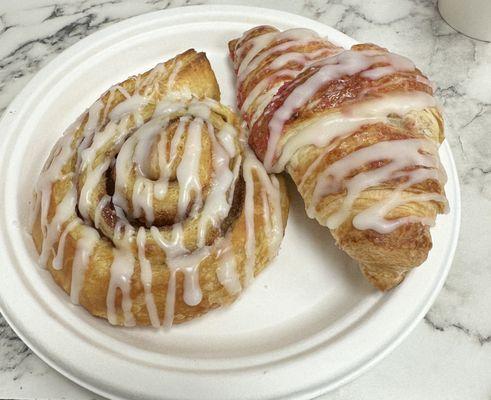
[{"x": 151, "y": 209}]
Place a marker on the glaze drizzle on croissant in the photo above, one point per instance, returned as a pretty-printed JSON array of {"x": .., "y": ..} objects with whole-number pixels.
[
  {"x": 358, "y": 131},
  {"x": 150, "y": 208}
]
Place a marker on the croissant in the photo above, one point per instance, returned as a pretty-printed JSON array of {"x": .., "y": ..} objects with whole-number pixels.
[
  {"x": 358, "y": 131},
  {"x": 150, "y": 208}
]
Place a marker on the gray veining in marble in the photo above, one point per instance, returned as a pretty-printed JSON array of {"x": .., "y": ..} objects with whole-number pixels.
[{"x": 448, "y": 356}]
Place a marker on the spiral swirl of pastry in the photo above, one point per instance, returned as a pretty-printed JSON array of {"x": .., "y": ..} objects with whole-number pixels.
[{"x": 150, "y": 208}]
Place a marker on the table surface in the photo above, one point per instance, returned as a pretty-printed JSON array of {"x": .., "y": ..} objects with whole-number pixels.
[{"x": 448, "y": 355}]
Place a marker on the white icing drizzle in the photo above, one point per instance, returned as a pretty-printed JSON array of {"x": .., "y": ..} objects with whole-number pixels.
[
  {"x": 110, "y": 99},
  {"x": 58, "y": 260},
  {"x": 327, "y": 129},
  {"x": 109, "y": 102},
  {"x": 250, "y": 243},
  {"x": 142, "y": 199},
  {"x": 98, "y": 210},
  {"x": 123, "y": 91},
  {"x": 146, "y": 278},
  {"x": 178, "y": 258},
  {"x": 284, "y": 57},
  {"x": 297, "y": 36},
  {"x": 235, "y": 172},
  {"x": 165, "y": 164},
  {"x": 188, "y": 171},
  {"x": 227, "y": 270},
  {"x": 258, "y": 91},
  {"x": 175, "y": 246},
  {"x": 85, "y": 246},
  {"x": 189, "y": 264},
  {"x": 121, "y": 217},
  {"x": 168, "y": 105},
  {"x": 227, "y": 137},
  {"x": 304, "y": 59},
  {"x": 227, "y": 275},
  {"x": 374, "y": 217},
  {"x": 261, "y": 98},
  {"x": 92, "y": 180},
  {"x": 113, "y": 132},
  {"x": 122, "y": 269},
  {"x": 52, "y": 172},
  {"x": 162, "y": 185},
  {"x": 64, "y": 210},
  {"x": 100, "y": 140},
  {"x": 172, "y": 77},
  {"x": 266, "y": 216},
  {"x": 199, "y": 109},
  {"x": 150, "y": 82},
  {"x": 275, "y": 232},
  {"x": 129, "y": 106},
  {"x": 348, "y": 62},
  {"x": 270, "y": 185},
  {"x": 294, "y": 38},
  {"x": 61, "y": 154},
  {"x": 216, "y": 206},
  {"x": 402, "y": 154},
  {"x": 134, "y": 150},
  {"x": 90, "y": 128},
  {"x": 121, "y": 272}
]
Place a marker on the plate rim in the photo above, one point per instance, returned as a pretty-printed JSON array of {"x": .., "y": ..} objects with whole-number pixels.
[{"x": 9, "y": 118}]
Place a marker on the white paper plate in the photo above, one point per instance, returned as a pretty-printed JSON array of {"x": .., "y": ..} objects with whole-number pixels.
[{"x": 308, "y": 324}]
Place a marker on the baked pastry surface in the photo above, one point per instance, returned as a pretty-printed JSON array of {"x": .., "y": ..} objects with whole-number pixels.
[
  {"x": 358, "y": 131},
  {"x": 151, "y": 209}
]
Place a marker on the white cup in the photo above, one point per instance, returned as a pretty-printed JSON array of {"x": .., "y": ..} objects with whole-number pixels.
[{"x": 470, "y": 17}]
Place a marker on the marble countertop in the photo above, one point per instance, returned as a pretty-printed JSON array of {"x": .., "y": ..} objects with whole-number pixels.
[{"x": 448, "y": 355}]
